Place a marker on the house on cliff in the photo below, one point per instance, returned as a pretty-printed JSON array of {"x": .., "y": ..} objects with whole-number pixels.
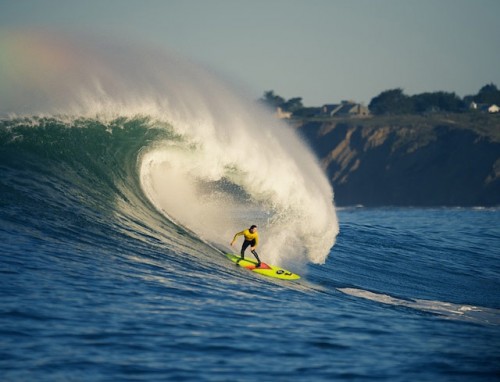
[
  {"x": 485, "y": 107},
  {"x": 281, "y": 114},
  {"x": 345, "y": 109}
]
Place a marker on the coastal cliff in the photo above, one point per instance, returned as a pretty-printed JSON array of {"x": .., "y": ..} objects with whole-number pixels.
[{"x": 413, "y": 160}]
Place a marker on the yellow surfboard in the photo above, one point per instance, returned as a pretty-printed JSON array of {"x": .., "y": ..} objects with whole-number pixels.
[{"x": 264, "y": 269}]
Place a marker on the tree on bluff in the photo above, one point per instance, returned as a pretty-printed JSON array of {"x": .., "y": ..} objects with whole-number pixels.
[
  {"x": 437, "y": 101},
  {"x": 396, "y": 102},
  {"x": 391, "y": 102},
  {"x": 274, "y": 101},
  {"x": 488, "y": 94}
]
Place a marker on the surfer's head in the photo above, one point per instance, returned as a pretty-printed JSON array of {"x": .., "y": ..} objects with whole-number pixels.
[{"x": 253, "y": 227}]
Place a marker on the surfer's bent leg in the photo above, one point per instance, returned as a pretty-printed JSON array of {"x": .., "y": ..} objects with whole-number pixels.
[
  {"x": 254, "y": 252},
  {"x": 244, "y": 248},
  {"x": 257, "y": 257}
]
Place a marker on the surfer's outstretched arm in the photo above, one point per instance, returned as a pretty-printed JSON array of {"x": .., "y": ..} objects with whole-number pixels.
[{"x": 236, "y": 236}]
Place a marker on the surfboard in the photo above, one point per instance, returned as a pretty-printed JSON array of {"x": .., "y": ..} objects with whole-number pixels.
[{"x": 264, "y": 269}]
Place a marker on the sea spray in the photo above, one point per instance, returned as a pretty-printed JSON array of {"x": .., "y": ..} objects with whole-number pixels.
[{"x": 232, "y": 163}]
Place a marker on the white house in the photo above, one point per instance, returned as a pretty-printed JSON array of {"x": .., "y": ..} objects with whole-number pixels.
[
  {"x": 282, "y": 114},
  {"x": 493, "y": 109}
]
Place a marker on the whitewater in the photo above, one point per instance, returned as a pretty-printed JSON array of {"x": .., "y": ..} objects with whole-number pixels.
[{"x": 125, "y": 172}]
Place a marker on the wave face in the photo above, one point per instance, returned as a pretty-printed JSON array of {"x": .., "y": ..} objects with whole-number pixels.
[{"x": 124, "y": 124}]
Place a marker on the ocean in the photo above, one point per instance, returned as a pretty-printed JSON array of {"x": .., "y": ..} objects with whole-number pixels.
[
  {"x": 120, "y": 191},
  {"x": 98, "y": 284}
]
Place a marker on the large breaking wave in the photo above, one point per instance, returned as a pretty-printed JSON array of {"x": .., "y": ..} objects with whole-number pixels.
[{"x": 223, "y": 163}]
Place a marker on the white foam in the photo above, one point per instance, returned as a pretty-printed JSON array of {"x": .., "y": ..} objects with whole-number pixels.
[{"x": 445, "y": 309}]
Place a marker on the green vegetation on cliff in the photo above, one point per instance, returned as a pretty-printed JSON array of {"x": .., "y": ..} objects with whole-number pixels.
[{"x": 394, "y": 101}]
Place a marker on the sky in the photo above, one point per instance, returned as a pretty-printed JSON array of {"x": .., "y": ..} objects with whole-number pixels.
[{"x": 323, "y": 51}]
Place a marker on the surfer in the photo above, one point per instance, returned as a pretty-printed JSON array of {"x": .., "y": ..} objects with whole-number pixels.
[{"x": 251, "y": 239}]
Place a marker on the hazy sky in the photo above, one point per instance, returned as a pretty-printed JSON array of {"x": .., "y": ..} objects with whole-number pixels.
[{"x": 321, "y": 50}]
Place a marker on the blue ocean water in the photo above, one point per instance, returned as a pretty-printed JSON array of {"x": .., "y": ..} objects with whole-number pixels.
[{"x": 97, "y": 284}]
